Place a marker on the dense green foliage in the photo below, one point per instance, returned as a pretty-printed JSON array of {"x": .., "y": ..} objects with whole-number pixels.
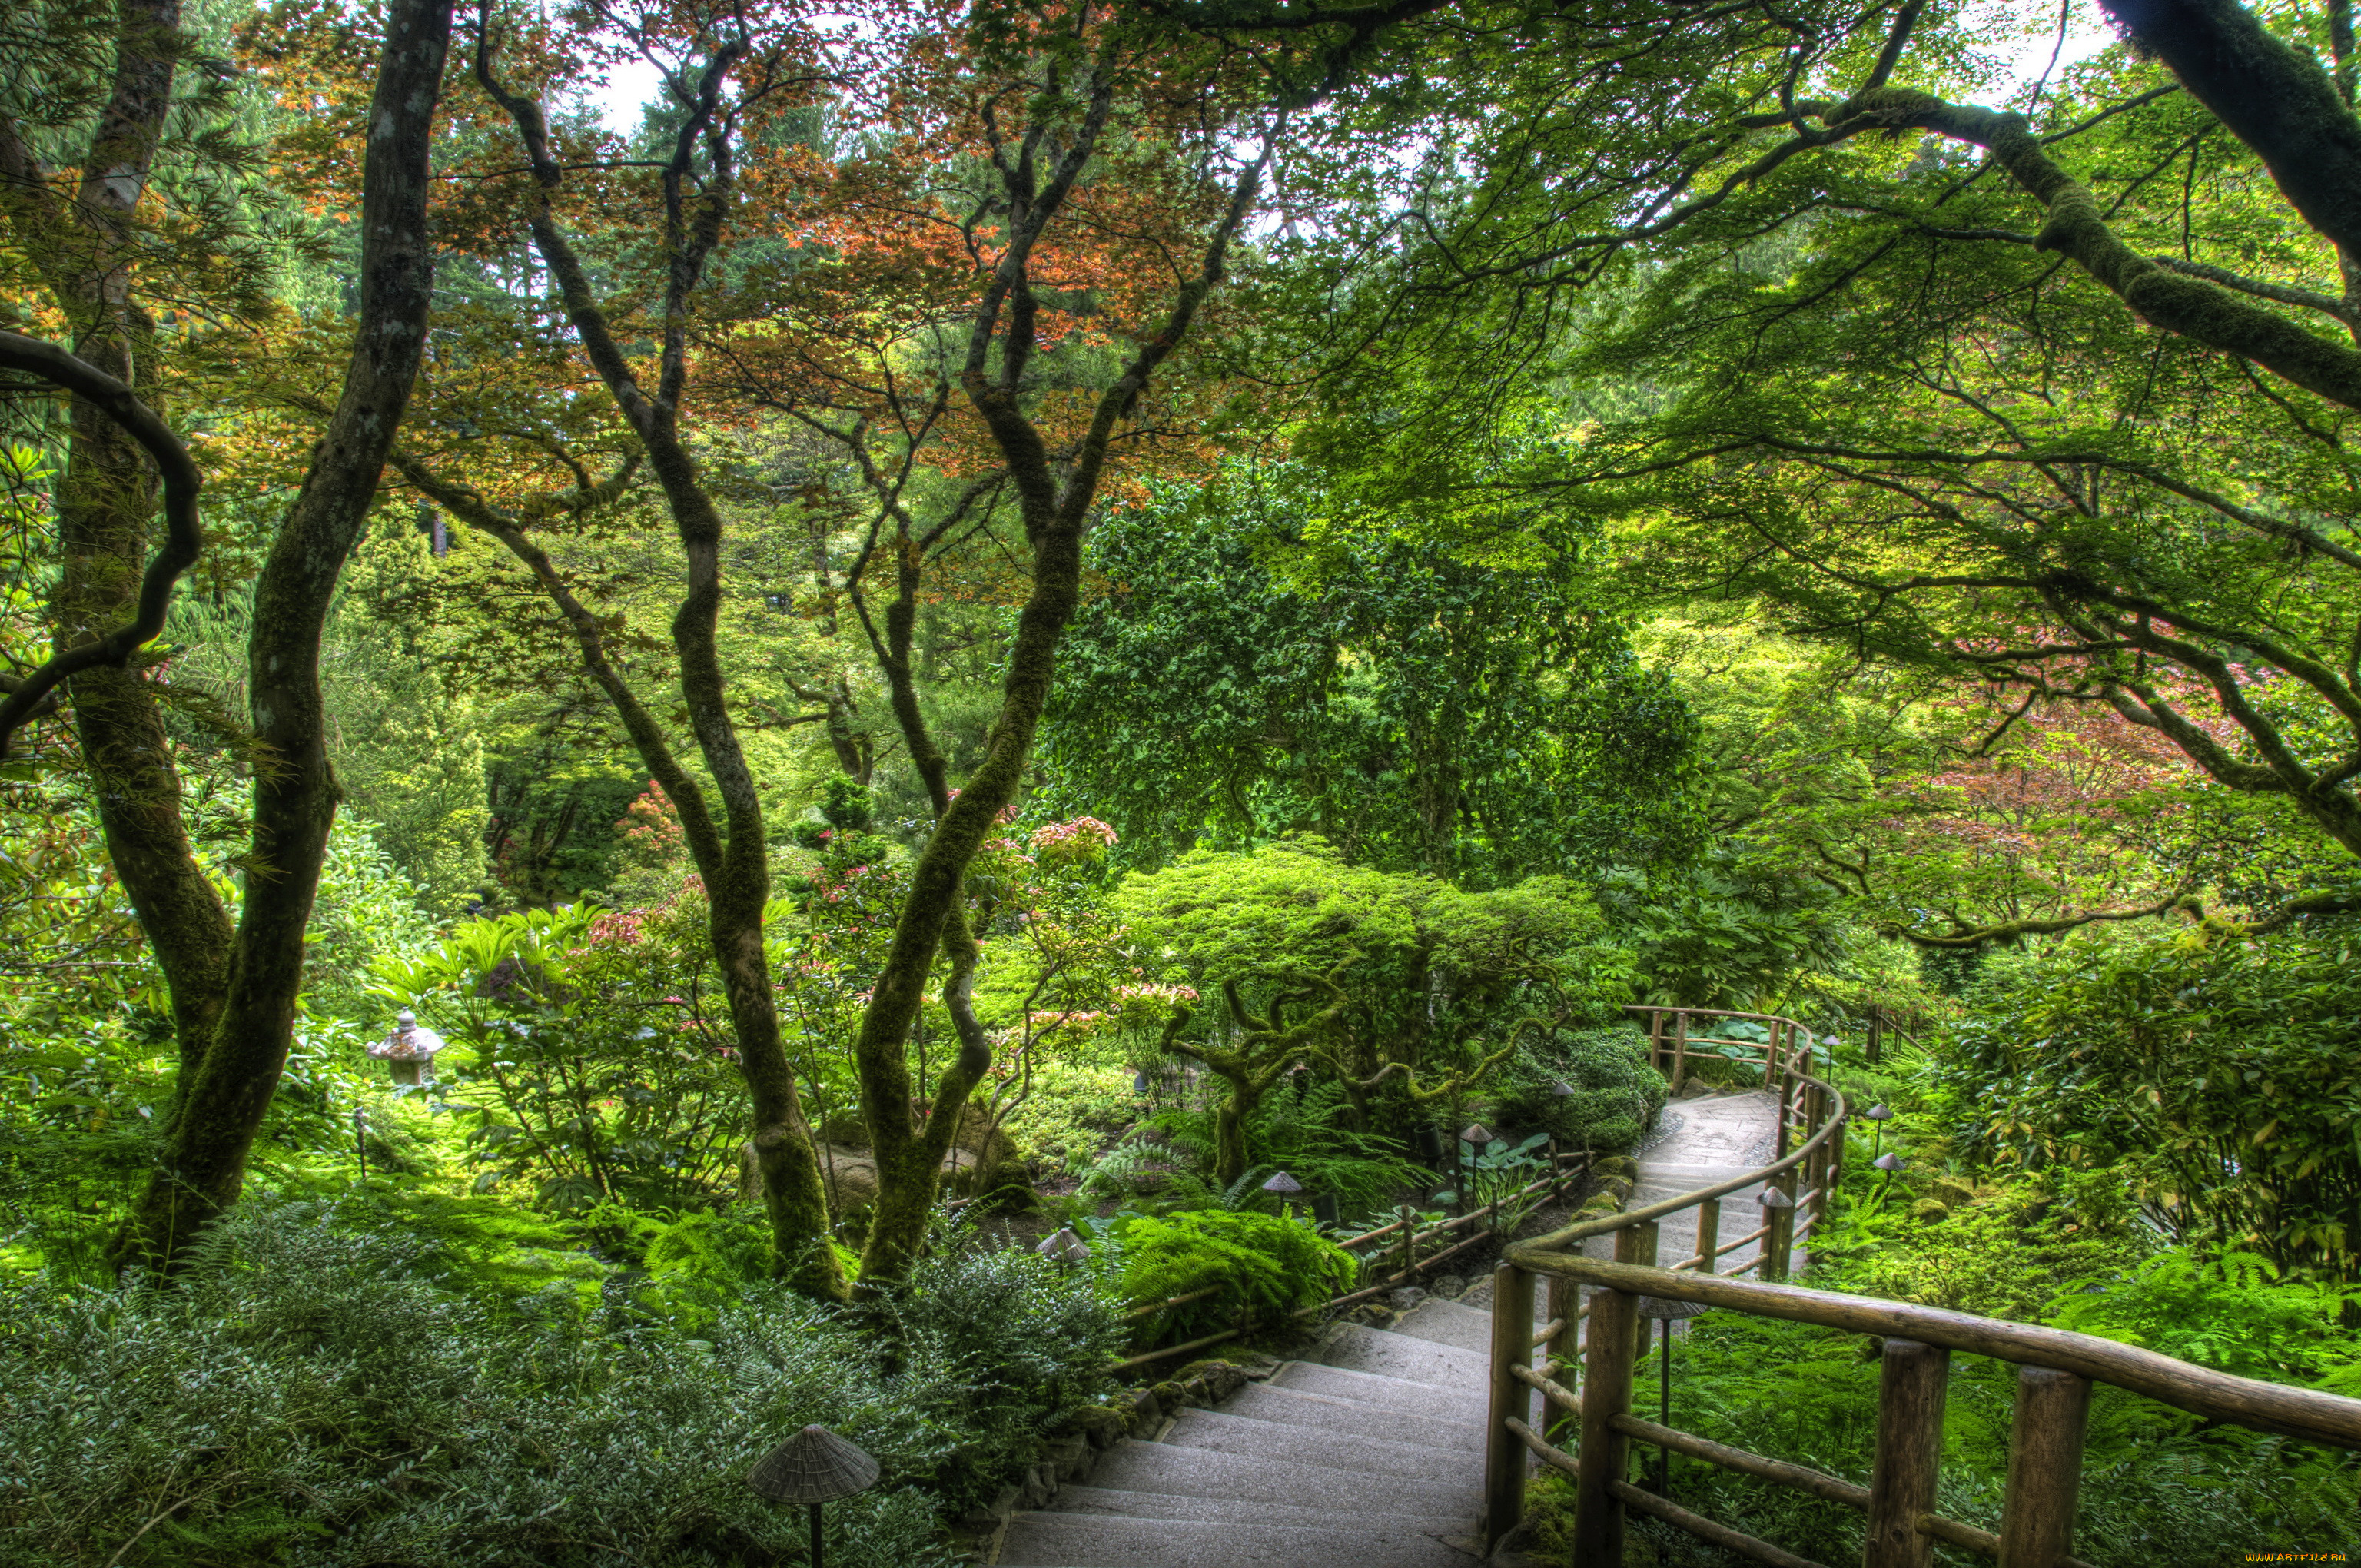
[
  {"x": 1614, "y": 1092},
  {"x": 1251, "y": 672},
  {"x": 2215, "y": 1073},
  {"x": 331, "y": 1385}
]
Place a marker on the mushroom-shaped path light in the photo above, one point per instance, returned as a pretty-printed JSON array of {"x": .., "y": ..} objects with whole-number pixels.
[
  {"x": 1065, "y": 1247},
  {"x": 410, "y": 1048},
  {"x": 1888, "y": 1163},
  {"x": 813, "y": 1467},
  {"x": 1284, "y": 1185},
  {"x": 1476, "y": 1132},
  {"x": 1665, "y": 1311},
  {"x": 1880, "y": 1115}
]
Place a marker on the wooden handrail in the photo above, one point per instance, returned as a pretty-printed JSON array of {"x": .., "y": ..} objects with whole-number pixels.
[
  {"x": 1606, "y": 1224},
  {"x": 2056, "y": 1366},
  {"x": 2305, "y": 1413}
]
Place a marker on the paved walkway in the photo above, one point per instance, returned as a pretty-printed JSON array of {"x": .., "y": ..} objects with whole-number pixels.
[{"x": 1368, "y": 1453}]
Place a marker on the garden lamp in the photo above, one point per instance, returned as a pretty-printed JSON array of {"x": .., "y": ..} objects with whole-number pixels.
[
  {"x": 1283, "y": 1186},
  {"x": 1063, "y": 1248},
  {"x": 1665, "y": 1311},
  {"x": 1878, "y": 1116},
  {"x": 1476, "y": 1132},
  {"x": 1139, "y": 1084},
  {"x": 1888, "y": 1163},
  {"x": 813, "y": 1467},
  {"x": 410, "y": 1048},
  {"x": 1562, "y": 1089}
]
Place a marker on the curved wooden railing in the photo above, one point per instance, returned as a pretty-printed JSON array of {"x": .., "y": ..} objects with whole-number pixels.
[{"x": 2056, "y": 1369}]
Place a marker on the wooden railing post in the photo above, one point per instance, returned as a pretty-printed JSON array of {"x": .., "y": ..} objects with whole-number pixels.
[
  {"x": 1708, "y": 1233},
  {"x": 1913, "y": 1380},
  {"x": 1504, "y": 1453},
  {"x": 1605, "y": 1393},
  {"x": 2045, "y": 1467},
  {"x": 1657, "y": 1041},
  {"x": 1680, "y": 1051},
  {"x": 1779, "y": 1244},
  {"x": 1637, "y": 1243},
  {"x": 1564, "y": 1310}
]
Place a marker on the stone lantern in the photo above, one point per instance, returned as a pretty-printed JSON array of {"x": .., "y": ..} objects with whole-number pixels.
[{"x": 410, "y": 1048}]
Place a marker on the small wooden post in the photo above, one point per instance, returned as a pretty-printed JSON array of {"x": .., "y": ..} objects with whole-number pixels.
[
  {"x": 1409, "y": 1240},
  {"x": 1781, "y": 1242},
  {"x": 1505, "y": 1461},
  {"x": 1604, "y": 1452},
  {"x": 1834, "y": 1175},
  {"x": 1637, "y": 1243},
  {"x": 1564, "y": 1306},
  {"x": 1680, "y": 1051},
  {"x": 1657, "y": 1041},
  {"x": 2045, "y": 1467},
  {"x": 1708, "y": 1233},
  {"x": 1912, "y": 1383},
  {"x": 1771, "y": 1053}
]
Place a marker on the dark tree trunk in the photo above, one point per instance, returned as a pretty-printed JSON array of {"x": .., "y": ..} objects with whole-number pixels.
[{"x": 226, "y": 1092}]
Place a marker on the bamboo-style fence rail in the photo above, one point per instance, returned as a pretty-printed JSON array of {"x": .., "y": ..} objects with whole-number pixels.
[{"x": 2056, "y": 1369}]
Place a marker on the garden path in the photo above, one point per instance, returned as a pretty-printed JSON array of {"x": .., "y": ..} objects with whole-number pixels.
[{"x": 1369, "y": 1452}]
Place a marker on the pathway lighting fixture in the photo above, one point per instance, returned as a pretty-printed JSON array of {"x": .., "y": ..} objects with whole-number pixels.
[
  {"x": 1139, "y": 1084},
  {"x": 1283, "y": 1187},
  {"x": 1665, "y": 1311},
  {"x": 1476, "y": 1132},
  {"x": 1562, "y": 1089},
  {"x": 813, "y": 1467},
  {"x": 1063, "y": 1248},
  {"x": 1878, "y": 1116},
  {"x": 1889, "y": 1164},
  {"x": 410, "y": 1050}
]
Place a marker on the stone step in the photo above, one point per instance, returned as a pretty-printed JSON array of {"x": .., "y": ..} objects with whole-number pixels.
[
  {"x": 1132, "y": 1465},
  {"x": 1106, "y": 1540},
  {"x": 1379, "y": 1391},
  {"x": 1173, "y": 1506},
  {"x": 1359, "y": 1349},
  {"x": 1223, "y": 1433},
  {"x": 1449, "y": 1323},
  {"x": 1293, "y": 1407}
]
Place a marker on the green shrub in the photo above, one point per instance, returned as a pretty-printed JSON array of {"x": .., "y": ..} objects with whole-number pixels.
[
  {"x": 1264, "y": 1267},
  {"x": 325, "y": 1391},
  {"x": 2217, "y": 1070},
  {"x": 1009, "y": 1342},
  {"x": 1617, "y": 1095},
  {"x": 2006, "y": 1254}
]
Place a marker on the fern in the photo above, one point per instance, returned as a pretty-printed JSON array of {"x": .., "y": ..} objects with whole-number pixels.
[{"x": 1263, "y": 1266}]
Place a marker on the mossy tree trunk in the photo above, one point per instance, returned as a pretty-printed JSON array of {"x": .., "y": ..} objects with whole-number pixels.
[
  {"x": 1054, "y": 498},
  {"x": 731, "y": 850},
  {"x": 234, "y": 989}
]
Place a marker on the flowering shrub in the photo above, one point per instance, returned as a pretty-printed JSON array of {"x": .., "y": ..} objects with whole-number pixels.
[{"x": 591, "y": 1053}]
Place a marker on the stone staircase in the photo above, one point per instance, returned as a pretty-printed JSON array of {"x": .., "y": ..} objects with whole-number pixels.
[
  {"x": 1369, "y": 1453},
  {"x": 1370, "y": 1456}
]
